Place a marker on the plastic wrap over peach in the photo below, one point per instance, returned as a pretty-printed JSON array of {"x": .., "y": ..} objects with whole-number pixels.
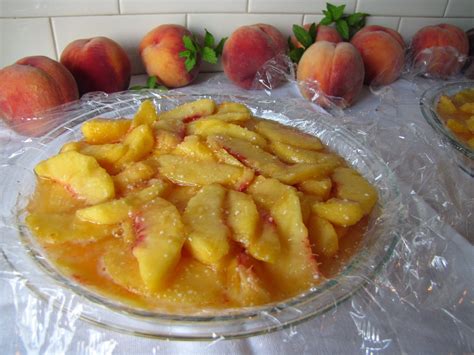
[{"x": 404, "y": 275}]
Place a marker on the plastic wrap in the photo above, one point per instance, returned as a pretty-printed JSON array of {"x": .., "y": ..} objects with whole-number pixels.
[{"x": 410, "y": 289}]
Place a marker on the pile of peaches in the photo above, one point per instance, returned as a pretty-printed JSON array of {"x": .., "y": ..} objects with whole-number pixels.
[{"x": 329, "y": 67}]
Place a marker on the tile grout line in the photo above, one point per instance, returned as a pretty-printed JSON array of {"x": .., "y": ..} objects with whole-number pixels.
[
  {"x": 53, "y": 34},
  {"x": 446, "y": 8},
  {"x": 248, "y": 6},
  {"x": 399, "y": 24},
  {"x": 119, "y": 7},
  {"x": 186, "y": 20},
  {"x": 356, "y": 6}
]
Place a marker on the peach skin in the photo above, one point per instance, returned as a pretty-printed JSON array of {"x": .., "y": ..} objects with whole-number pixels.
[
  {"x": 97, "y": 64},
  {"x": 160, "y": 50},
  {"x": 323, "y": 33},
  {"x": 440, "y": 50},
  {"x": 383, "y": 52},
  {"x": 335, "y": 70},
  {"x": 248, "y": 49},
  {"x": 31, "y": 86}
]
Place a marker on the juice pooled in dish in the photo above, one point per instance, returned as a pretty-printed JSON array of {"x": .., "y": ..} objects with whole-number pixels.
[
  {"x": 457, "y": 112},
  {"x": 203, "y": 206}
]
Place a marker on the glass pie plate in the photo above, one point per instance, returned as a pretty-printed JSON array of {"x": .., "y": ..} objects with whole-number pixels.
[
  {"x": 26, "y": 257},
  {"x": 464, "y": 155}
]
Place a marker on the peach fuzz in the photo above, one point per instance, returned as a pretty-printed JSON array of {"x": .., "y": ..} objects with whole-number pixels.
[
  {"x": 337, "y": 70},
  {"x": 383, "y": 52},
  {"x": 31, "y": 86},
  {"x": 97, "y": 64},
  {"x": 160, "y": 50},
  {"x": 323, "y": 33},
  {"x": 248, "y": 49},
  {"x": 439, "y": 50}
]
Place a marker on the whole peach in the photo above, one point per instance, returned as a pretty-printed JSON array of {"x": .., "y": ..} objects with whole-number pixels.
[
  {"x": 383, "y": 53},
  {"x": 160, "y": 50},
  {"x": 31, "y": 86},
  {"x": 323, "y": 33},
  {"x": 248, "y": 49},
  {"x": 334, "y": 70},
  {"x": 439, "y": 50},
  {"x": 97, "y": 64}
]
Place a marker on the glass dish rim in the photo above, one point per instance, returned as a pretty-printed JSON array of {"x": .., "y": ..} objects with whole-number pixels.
[
  {"x": 427, "y": 106},
  {"x": 306, "y": 297}
]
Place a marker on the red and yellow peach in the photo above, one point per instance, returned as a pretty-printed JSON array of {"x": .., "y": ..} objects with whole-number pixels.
[
  {"x": 383, "y": 53},
  {"x": 330, "y": 71},
  {"x": 439, "y": 50},
  {"x": 97, "y": 64},
  {"x": 160, "y": 50},
  {"x": 31, "y": 86},
  {"x": 248, "y": 49}
]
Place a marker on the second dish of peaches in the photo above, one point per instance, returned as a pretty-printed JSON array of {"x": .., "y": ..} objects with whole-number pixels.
[{"x": 200, "y": 206}]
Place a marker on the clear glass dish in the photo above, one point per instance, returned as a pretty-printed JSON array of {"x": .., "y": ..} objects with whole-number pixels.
[
  {"x": 26, "y": 257},
  {"x": 463, "y": 154}
]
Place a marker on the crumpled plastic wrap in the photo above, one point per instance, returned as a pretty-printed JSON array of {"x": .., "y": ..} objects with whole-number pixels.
[{"x": 417, "y": 297}]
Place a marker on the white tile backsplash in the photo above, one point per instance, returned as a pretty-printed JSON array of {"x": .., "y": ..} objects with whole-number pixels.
[
  {"x": 403, "y": 7},
  {"x": 127, "y": 30},
  {"x": 185, "y": 6},
  {"x": 43, "y": 8},
  {"x": 460, "y": 8},
  {"x": 410, "y": 25},
  {"x": 45, "y": 27},
  {"x": 25, "y": 37},
  {"x": 296, "y": 6}
]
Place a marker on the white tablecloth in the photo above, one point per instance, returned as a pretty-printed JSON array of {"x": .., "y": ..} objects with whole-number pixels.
[{"x": 411, "y": 318}]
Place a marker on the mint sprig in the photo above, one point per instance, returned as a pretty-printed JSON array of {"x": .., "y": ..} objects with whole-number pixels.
[
  {"x": 346, "y": 25},
  {"x": 208, "y": 51},
  {"x": 305, "y": 37},
  {"x": 151, "y": 83}
]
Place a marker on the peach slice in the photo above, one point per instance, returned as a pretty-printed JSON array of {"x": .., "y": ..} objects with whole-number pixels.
[
  {"x": 107, "y": 155},
  {"x": 116, "y": 211},
  {"x": 297, "y": 173},
  {"x": 291, "y": 154},
  {"x": 231, "y": 117},
  {"x": 132, "y": 175},
  {"x": 276, "y": 132},
  {"x": 266, "y": 245},
  {"x": 140, "y": 142},
  {"x": 166, "y": 142},
  {"x": 323, "y": 236},
  {"x": 190, "y": 111},
  {"x": 341, "y": 212},
  {"x": 81, "y": 173},
  {"x": 227, "y": 107},
  {"x": 180, "y": 196},
  {"x": 192, "y": 147},
  {"x": 242, "y": 217},
  {"x": 350, "y": 185},
  {"x": 100, "y": 131},
  {"x": 213, "y": 126},
  {"x": 321, "y": 188},
  {"x": 171, "y": 125},
  {"x": 221, "y": 154},
  {"x": 249, "y": 154},
  {"x": 244, "y": 287},
  {"x": 60, "y": 228},
  {"x": 296, "y": 268},
  {"x": 186, "y": 171},
  {"x": 208, "y": 234},
  {"x": 160, "y": 237},
  {"x": 146, "y": 114}
]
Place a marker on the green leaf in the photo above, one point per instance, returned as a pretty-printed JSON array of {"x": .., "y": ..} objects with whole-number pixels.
[
  {"x": 295, "y": 54},
  {"x": 184, "y": 54},
  {"x": 220, "y": 46},
  {"x": 189, "y": 43},
  {"x": 325, "y": 21},
  {"x": 291, "y": 46},
  {"x": 209, "y": 55},
  {"x": 336, "y": 11},
  {"x": 162, "y": 88},
  {"x": 302, "y": 36},
  {"x": 151, "y": 82},
  {"x": 343, "y": 28},
  {"x": 312, "y": 32},
  {"x": 208, "y": 39},
  {"x": 137, "y": 87},
  {"x": 354, "y": 19},
  {"x": 190, "y": 63},
  {"x": 328, "y": 16}
]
